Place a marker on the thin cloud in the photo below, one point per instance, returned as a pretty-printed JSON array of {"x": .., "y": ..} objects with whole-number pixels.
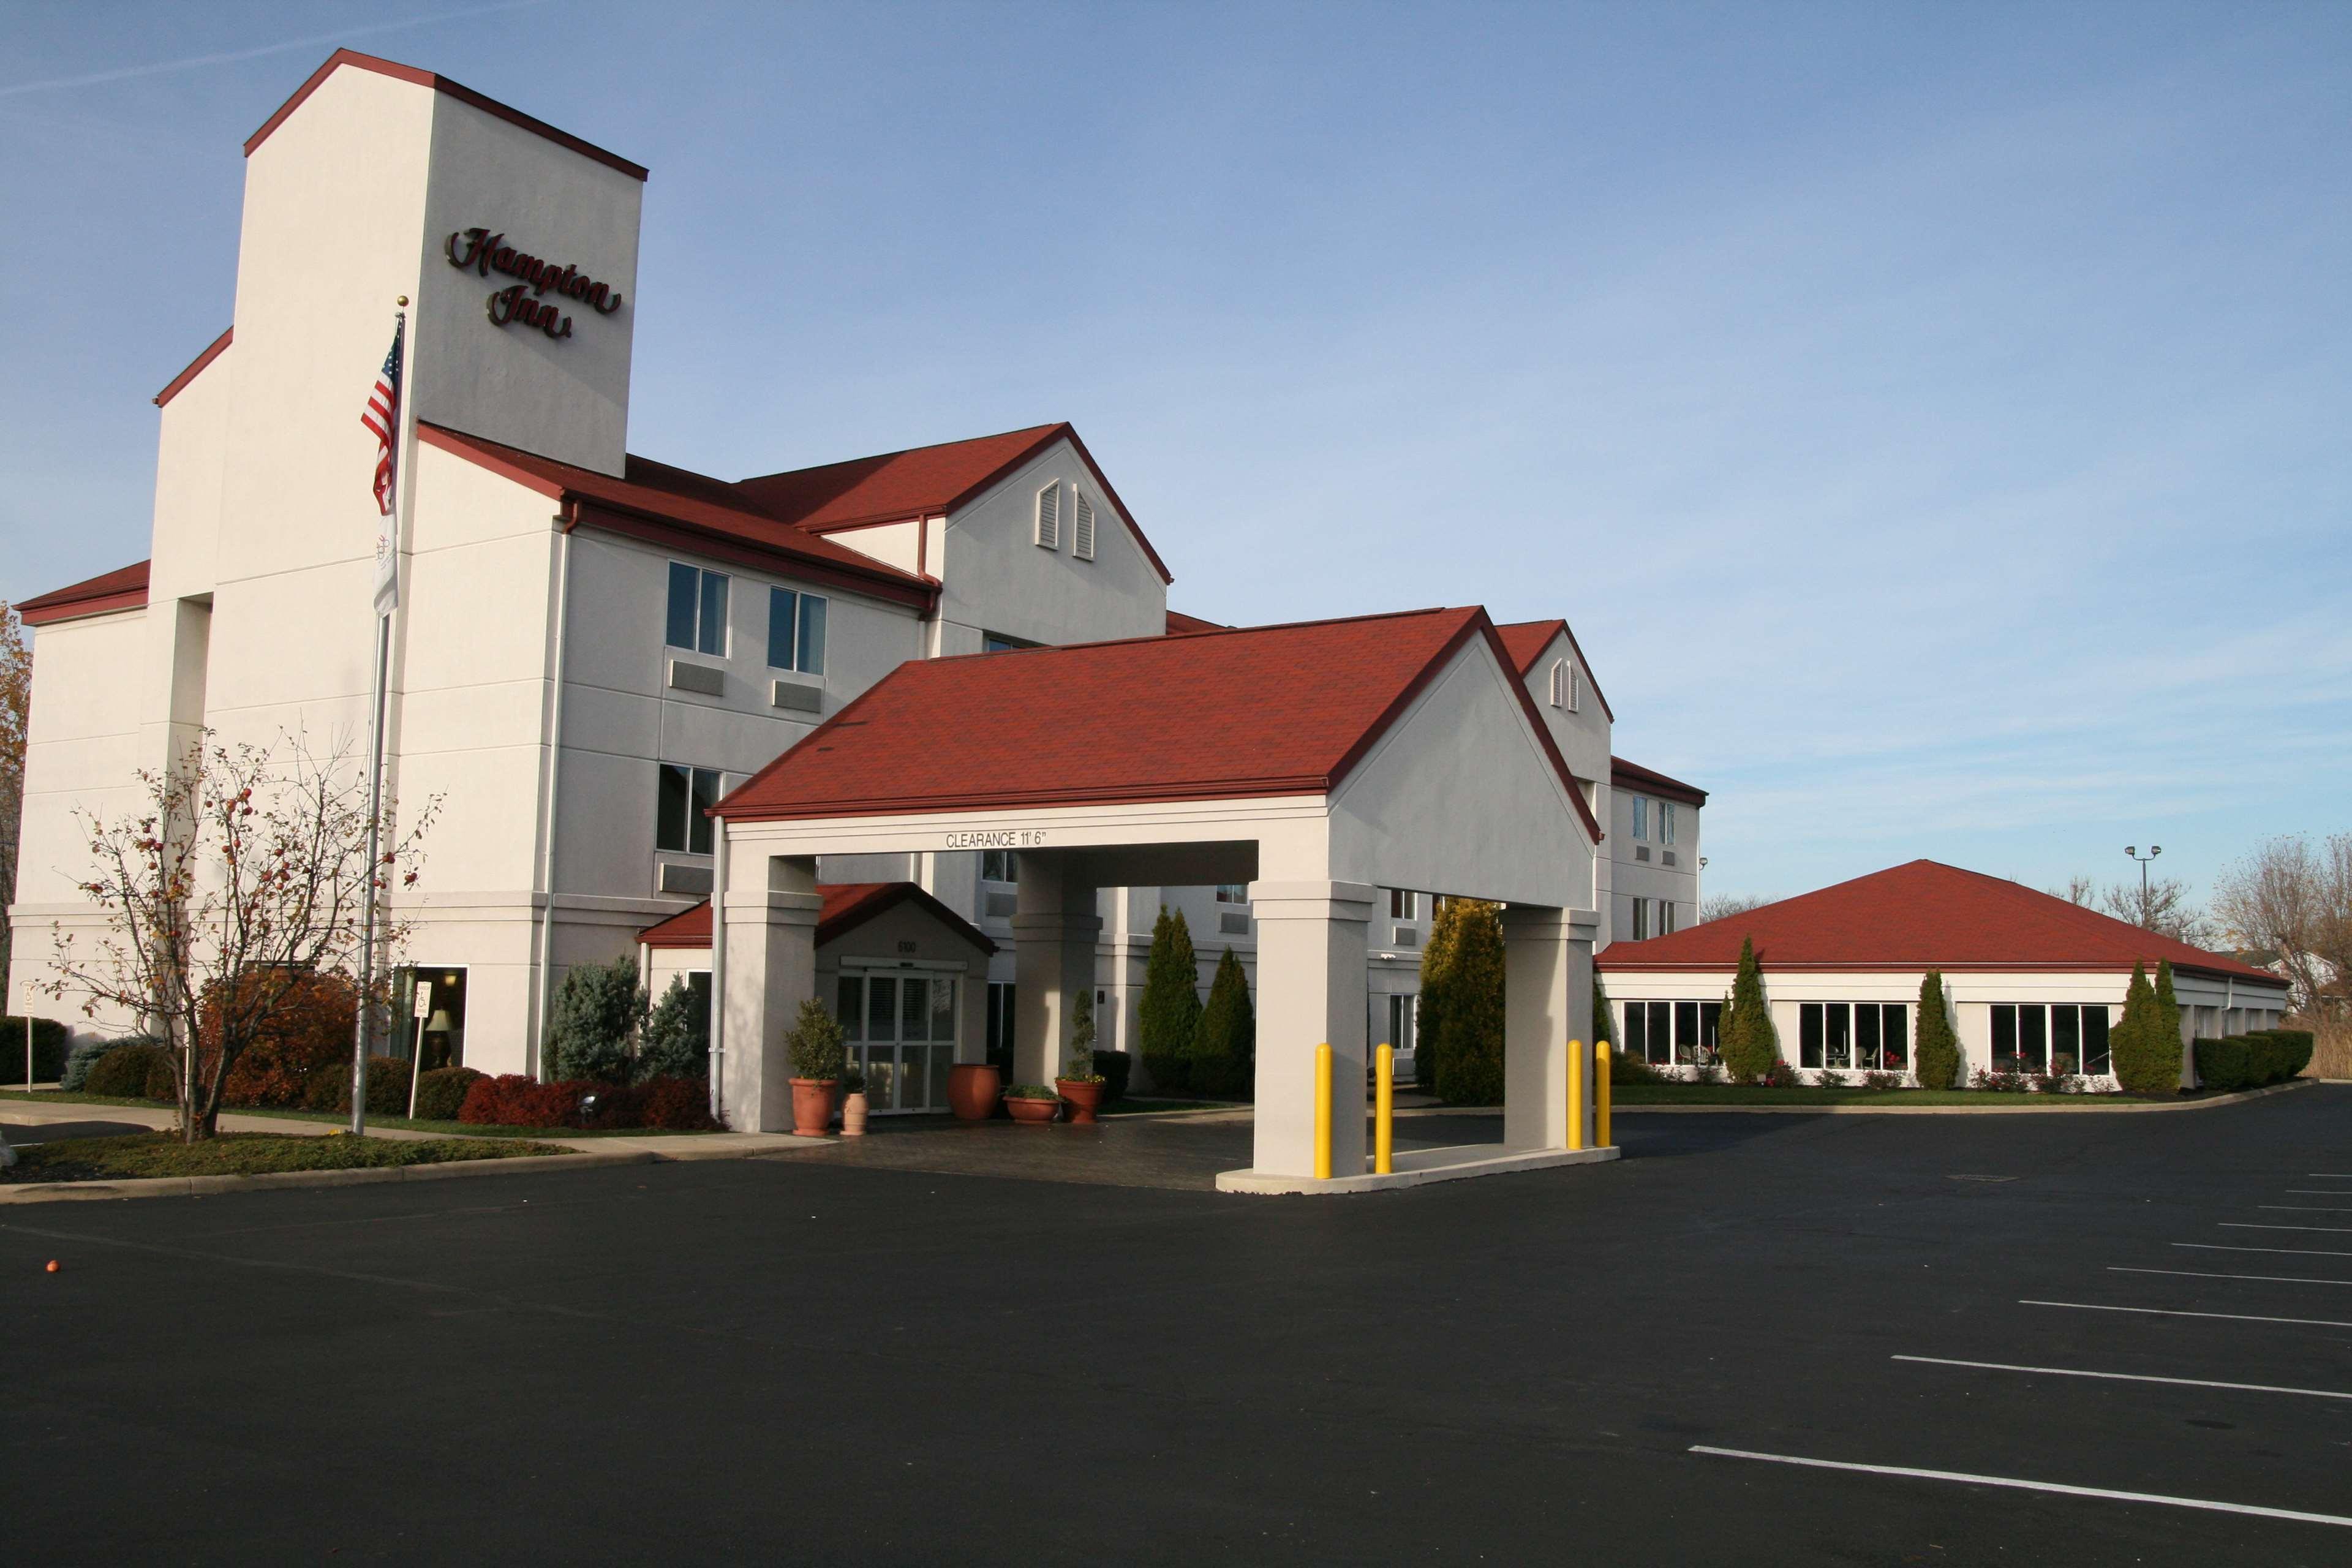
[{"x": 229, "y": 57}]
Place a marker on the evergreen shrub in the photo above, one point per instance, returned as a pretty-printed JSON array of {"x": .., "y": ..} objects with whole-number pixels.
[
  {"x": 676, "y": 1039},
  {"x": 441, "y": 1093},
  {"x": 598, "y": 1011},
  {"x": 1224, "y": 1042},
  {"x": 1461, "y": 1013},
  {"x": 1169, "y": 1014},
  {"x": 1935, "y": 1047},
  {"x": 1747, "y": 1041},
  {"x": 132, "y": 1069},
  {"x": 2146, "y": 1044}
]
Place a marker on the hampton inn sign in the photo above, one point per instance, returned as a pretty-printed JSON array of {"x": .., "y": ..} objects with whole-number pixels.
[{"x": 486, "y": 253}]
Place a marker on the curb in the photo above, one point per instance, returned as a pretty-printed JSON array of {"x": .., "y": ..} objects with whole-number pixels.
[
  {"x": 2240, "y": 1098},
  {"x": 202, "y": 1186}
]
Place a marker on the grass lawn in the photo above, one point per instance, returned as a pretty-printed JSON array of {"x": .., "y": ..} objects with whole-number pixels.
[
  {"x": 339, "y": 1118},
  {"x": 244, "y": 1155},
  {"x": 1727, "y": 1094}
]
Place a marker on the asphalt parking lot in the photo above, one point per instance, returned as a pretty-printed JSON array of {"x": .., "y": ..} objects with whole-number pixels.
[{"x": 812, "y": 1359}]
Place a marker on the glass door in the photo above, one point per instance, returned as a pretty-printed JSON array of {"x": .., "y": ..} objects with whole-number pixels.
[{"x": 901, "y": 1031}]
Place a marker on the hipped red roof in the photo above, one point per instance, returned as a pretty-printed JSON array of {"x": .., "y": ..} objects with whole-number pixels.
[
  {"x": 1263, "y": 711},
  {"x": 922, "y": 481},
  {"x": 675, "y": 506},
  {"x": 848, "y": 905},
  {"x": 1923, "y": 915},
  {"x": 124, "y": 588}
]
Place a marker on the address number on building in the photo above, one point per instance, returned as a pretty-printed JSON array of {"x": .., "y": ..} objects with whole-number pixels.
[{"x": 999, "y": 839}]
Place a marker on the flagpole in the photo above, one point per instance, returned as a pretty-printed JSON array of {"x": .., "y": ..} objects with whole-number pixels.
[{"x": 387, "y": 561}]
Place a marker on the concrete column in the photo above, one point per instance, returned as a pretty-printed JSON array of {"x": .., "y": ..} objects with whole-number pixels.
[
  {"x": 771, "y": 913},
  {"x": 1547, "y": 1002},
  {"x": 1054, "y": 930},
  {"x": 1312, "y": 989}
]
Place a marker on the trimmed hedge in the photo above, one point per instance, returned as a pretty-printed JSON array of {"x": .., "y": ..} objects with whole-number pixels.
[
  {"x": 48, "y": 1049},
  {"x": 131, "y": 1070},
  {"x": 441, "y": 1093},
  {"x": 512, "y": 1099},
  {"x": 75, "y": 1079},
  {"x": 329, "y": 1086},
  {"x": 1115, "y": 1068},
  {"x": 2249, "y": 1061}
]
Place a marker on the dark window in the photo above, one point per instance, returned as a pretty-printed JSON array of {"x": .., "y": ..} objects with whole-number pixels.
[
  {"x": 1686, "y": 1041},
  {"x": 1837, "y": 1050},
  {"x": 1808, "y": 1035},
  {"x": 685, "y": 584},
  {"x": 996, "y": 866},
  {"x": 1637, "y": 1042},
  {"x": 1896, "y": 1033},
  {"x": 697, "y": 609},
  {"x": 783, "y": 619},
  {"x": 811, "y": 647},
  {"x": 1710, "y": 1024},
  {"x": 683, "y": 795},
  {"x": 2094, "y": 1040},
  {"x": 2066, "y": 1038},
  {"x": 2033, "y": 1038},
  {"x": 1661, "y": 1031},
  {"x": 1866, "y": 1037},
  {"x": 2004, "y": 1037},
  {"x": 999, "y": 1027}
]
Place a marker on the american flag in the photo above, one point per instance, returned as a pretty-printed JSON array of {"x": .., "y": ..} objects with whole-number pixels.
[{"x": 383, "y": 416}]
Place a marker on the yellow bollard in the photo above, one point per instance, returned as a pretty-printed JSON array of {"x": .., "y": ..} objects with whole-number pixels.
[
  {"x": 1601, "y": 1094},
  {"x": 1323, "y": 1114},
  {"x": 1576, "y": 1094},
  {"x": 1384, "y": 1112}
]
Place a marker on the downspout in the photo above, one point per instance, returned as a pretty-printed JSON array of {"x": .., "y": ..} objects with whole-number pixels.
[
  {"x": 566, "y": 521},
  {"x": 718, "y": 968}
]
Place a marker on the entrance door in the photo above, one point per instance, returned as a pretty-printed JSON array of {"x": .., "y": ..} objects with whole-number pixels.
[
  {"x": 430, "y": 1024},
  {"x": 900, "y": 1029}
]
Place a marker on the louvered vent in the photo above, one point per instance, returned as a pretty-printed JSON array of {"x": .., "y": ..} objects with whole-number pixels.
[
  {"x": 1641, "y": 852},
  {"x": 1407, "y": 936},
  {"x": 1000, "y": 906},
  {"x": 1049, "y": 516},
  {"x": 1233, "y": 922},
  {"x": 1669, "y": 857},
  {"x": 1082, "y": 526}
]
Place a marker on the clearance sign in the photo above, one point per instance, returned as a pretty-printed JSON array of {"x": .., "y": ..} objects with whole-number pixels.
[{"x": 522, "y": 303}]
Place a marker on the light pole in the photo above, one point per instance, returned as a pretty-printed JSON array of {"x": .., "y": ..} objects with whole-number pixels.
[{"x": 2153, "y": 851}]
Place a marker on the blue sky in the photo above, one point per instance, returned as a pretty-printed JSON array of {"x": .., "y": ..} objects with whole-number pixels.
[{"x": 1933, "y": 419}]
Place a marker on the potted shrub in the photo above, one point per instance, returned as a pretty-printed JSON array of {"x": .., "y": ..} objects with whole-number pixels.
[
  {"x": 814, "y": 1046},
  {"x": 852, "y": 1104},
  {"x": 1079, "y": 1084},
  {"x": 1034, "y": 1103}
]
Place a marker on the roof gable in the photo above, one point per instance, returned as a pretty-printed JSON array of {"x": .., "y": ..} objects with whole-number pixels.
[
  {"x": 1923, "y": 915},
  {"x": 1263, "y": 711},
  {"x": 1527, "y": 640},
  {"x": 922, "y": 481},
  {"x": 845, "y": 907}
]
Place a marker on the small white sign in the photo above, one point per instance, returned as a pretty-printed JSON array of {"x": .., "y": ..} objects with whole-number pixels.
[{"x": 422, "y": 1007}]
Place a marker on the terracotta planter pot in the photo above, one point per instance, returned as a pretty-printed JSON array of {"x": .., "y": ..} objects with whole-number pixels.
[
  {"x": 1035, "y": 1112},
  {"x": 1082, "y": 1097},
  {"x": 853, "y": 1115},
  {"x": 973, "y": 1088},
  {"x": 813, "y": 1106}
]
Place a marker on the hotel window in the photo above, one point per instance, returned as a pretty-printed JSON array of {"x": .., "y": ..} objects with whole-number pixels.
[
  {"x": 2027, "y": 1037},
  {"x": 795, "y": 631},
  {"x": 997, "y": 866},
  {"x": 1665, "y": 821},
  {"x": 685, "y": 795},
  {"x": 1049, "y": 516},
  {"x": 697, "y": 609},
  {"x": 1641, "y": 920},
  {"x": 1666, "y": 918},
  {"x": 1082, "y": 525},
  {"x": 1404, "y": 904},
  {"x": 1682, "y": 1033},
  {"x": 1872, "y": 1037},
  {"x": 1232, "y": 892},
  {"x": 1641, "y": 815}
]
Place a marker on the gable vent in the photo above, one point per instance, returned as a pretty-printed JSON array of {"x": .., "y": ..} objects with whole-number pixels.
[
  {"x": 1049, "y": 516},
  {"x": 1082, "y": 527}
]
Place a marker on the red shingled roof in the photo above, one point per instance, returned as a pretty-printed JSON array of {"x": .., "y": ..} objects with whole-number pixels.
[
  {"x": 124, "y": 588},
  {"x": 1265, "y": 710},
  {"x": 848, "y": 905},
  {"x": 1653, "y": 782},
  {"x": 687, "y": 510},
  {"x": 922, "y": 482},
  {"x": 1527, "y": 641},
  {"x": 1923, "y": 915}
]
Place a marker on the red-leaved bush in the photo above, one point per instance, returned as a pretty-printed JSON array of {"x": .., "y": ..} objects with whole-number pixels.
[
  {"x": 511, "y": 1100},
  {"x": 310, "y": 1027}
]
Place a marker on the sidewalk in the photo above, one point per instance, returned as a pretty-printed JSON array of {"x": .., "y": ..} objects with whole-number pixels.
[{"x": 653, "y": 1144}]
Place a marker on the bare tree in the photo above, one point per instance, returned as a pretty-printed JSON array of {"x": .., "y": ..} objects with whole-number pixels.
[
  {"x": 16, "y": 710},
  {"x": 1717, "y": 906},
  {"x": 2079, "y": 890},
  {"x": 2163, "y": 906},
  {"x": 246, "y": 871},
  {"x": 2293, "y": 898}
]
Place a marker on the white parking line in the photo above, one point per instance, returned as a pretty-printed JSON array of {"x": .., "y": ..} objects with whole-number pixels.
[
  {"x": 2249, "y": 1224},
  {"x": 2195, "y": 1274},
  {"x": 2315, "y": 1192},
  {"x": 2177, "y": 1312},
  {"x": 1966, "y": 1478},
  {"x": 2290, "y": 1251},
  {"x": 2303, "y": 1208},
  {"x": 2122, "y": 1376}
]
